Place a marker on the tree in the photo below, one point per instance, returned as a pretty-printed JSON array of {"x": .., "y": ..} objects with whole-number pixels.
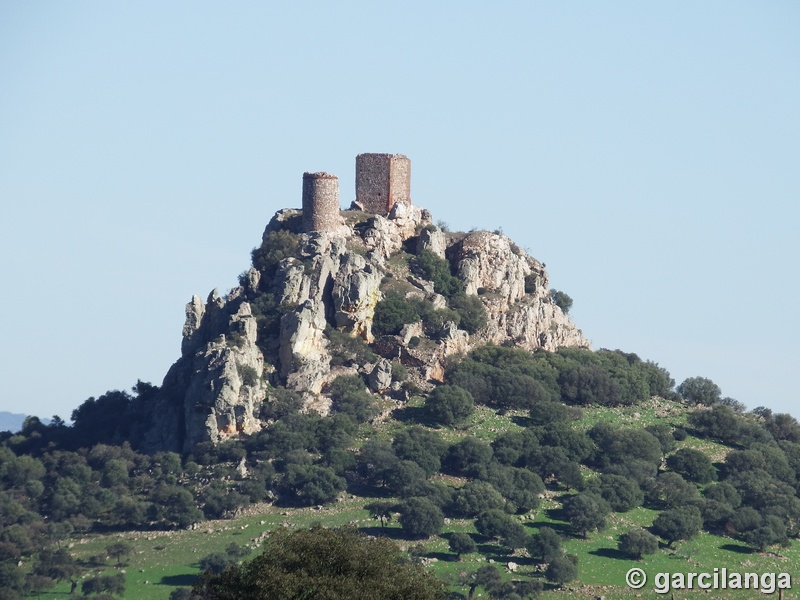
[
  {"x": 119, "y": 550},
  {"x": 470, "y": 457},
  {"x": 545, "y": 545},
  {"x": 112, "y": 584},
  {"x": 450, "y": 404},
  {"x": 474, "y": 498},
  {"x": 693, "y": 465},
  {"x": 562, "y": 569},
  {"x": 421, "y": 445},
  {"x": 471, "y": 310},
  {"x": 673, "y": 490},
  {"x": 461, "y": 543},
  {"x": 699, "y": 390},
  {"x": 487, "y": 577},
  {"x": 561, "y": 300},
  {"x": 419, "y": 517},
  {"x": 335, "y": 564},
  {"x": 586, "y": 512},
  {"x": 682, "y": 523},
  {"x": 638, "y": 542},
  {"x": 381, "y": 509},
  {"x": 621, "y": 493},
  {"x": 393, "y": 312},
  {"x": 309, "y": 484}
]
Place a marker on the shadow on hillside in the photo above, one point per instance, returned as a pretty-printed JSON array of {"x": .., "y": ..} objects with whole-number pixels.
[
  {"x": 413, "y": 414},
  {"x": 611, "y": 553},
  {"x": 738, "y": 548},
  {"x": 393, "y": 533},
  {"x": 185, "y": 580}
]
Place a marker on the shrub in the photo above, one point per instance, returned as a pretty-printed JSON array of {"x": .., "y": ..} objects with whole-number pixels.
[
  {"x": 461, "y": 543},
  {"x": 638, "y": 542},
  {"x": 561, "y": 300},
  {"x": 419, "y": 517},
  {"x": 471, "y": 310},
  {"x": 450, "y": 404},
  {"x": 347, "y": 349},
  {"x": 437, "y": 270},
  {"x": 393, "y": 312},
  {"x": 278, "y": 245}
]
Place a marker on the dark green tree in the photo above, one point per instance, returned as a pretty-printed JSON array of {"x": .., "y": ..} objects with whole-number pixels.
[
  {"x": 699, "y": 390},
  {"x": 562, "y": 569},
  {"x": 586, "y": 512},
  {"x": 419, "y": 517},
  {"x": 381, "y": 509},
  {"x": 545, "y": 545},
  {"x": 461, "y": 543},
  {"x": 638, "y": 542},
  {"x": 323, "y": 563},
  {"x": 561, "y": 300},
  {"x": 682, "y": 523},
  {"x": 450, "y": 404},
  {"x": 693, "y": 465}
]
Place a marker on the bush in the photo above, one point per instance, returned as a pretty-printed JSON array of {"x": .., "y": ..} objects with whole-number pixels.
[
  {"x": 461, "y": 543},
  {"x": 393, "y": 312},
  {"x": 699, "y": 390},
  {"x": 437, "y": 270},
  {"x": 450, "y": 404},
  {"x": 562, "y": 569},
  {"x": 693, "y": 465},
  {"x": 638, "y": 542},
  {"x": 471, "y": 310},
  {"x": 419, "y": 517},
  {"x": 545, "y": 545},
  {"x": 278, "y": 245},
  {"x": 349, "y": 396},
  {"x": 561, "y": 300},
  {"x": 347, "y": 349},
  {"x": 335, "y": 564}
]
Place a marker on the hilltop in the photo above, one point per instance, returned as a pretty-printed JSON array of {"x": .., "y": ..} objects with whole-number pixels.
[{"x": 377, "y": 371}]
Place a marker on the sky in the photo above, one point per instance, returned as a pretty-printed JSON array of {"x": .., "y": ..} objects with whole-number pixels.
[{"x": 648, "y": 153}]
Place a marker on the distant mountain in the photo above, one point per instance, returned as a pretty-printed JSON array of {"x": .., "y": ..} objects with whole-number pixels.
[{"x": 11, "y": 421}]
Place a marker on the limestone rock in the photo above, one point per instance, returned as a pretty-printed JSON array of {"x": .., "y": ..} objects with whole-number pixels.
[
  {"x": 432, "y": 239},
  {"x": 303, "y": 347},
  {"x": 380, "y": 379},
  {"x": 356, "y": 292}
]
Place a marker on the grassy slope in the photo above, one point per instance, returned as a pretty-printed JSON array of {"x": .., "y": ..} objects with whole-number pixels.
[{"x": 162, "y": 561}]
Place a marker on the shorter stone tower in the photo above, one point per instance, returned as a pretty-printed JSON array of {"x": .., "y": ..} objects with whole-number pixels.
[
  {"x": 382, "y": 180},
  {"x": 320, "y": 202}
]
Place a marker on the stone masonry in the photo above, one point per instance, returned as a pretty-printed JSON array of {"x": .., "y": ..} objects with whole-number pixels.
[
  {"x": 382, "y": 180},
  {"x": 320, "y": 202}
]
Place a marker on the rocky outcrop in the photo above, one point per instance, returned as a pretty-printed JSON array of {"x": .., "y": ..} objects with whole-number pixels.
[
  {"x": 216, "y": 388},
  {"x": 274, "y": 329},
  {"x": 514, "y": 288}
]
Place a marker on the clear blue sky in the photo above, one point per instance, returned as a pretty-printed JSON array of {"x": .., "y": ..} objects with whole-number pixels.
[{"x": 649, "y": 153}]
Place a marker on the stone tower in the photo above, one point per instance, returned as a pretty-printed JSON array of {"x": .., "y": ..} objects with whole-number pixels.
[
  {"x": 320, "y": 202},
  {"x": 382, "y": 180}
]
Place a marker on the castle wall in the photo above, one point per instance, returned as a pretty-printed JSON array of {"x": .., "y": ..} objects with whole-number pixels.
[
  {"x": 382, "y": 180},
  {"x": 320, "y": 202}
]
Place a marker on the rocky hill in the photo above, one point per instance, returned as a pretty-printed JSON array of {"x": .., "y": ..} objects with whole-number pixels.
[{"x": 289, "y": 320}]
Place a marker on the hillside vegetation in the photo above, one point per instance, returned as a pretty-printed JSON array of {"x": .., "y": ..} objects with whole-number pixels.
[{"x": 430, "y": 462}]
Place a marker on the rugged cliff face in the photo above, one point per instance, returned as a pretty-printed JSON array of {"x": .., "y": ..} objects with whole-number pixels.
[{"x": 288, "y": 322}]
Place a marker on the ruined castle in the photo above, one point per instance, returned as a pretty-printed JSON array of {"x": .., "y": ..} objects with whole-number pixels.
[{"x": 382, "y": 181}]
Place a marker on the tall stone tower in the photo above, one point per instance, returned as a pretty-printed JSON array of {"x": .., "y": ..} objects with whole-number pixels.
[
  {"x": 320, "y": 202},
  {"x": 382, "y": 180}
]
